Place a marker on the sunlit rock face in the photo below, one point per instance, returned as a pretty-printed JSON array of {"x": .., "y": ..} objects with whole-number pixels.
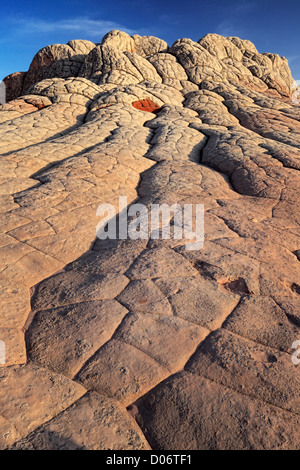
[{"x": 139, "y": 344}]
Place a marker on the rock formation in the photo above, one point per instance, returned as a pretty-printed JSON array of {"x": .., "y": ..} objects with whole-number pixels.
[{"x": 139, "y": 344}]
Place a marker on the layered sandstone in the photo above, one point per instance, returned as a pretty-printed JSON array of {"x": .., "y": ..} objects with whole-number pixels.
[{"x": 139, "y": 344}]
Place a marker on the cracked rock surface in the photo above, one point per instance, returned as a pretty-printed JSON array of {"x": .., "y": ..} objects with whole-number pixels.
[{"x": 139, "y": 344}]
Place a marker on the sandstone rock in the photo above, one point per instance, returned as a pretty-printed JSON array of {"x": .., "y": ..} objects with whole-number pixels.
[
  {"x": 168, "y": 340},
  {"x": 94, "y": 422},
  {"x": 148, "y": 45},
  {"x": 14, "y": 85},
  {"x": 264, "y": 321},
  {"x": 121, "y": 371},
  {"x": 208, "y": 416},
  {"x": 76, "y": 331},
  {"x": 198, "y": 300},
  {"x": 146, "y": 105},
  {"x": 198, "y": 341},
  {"x": 119, "y": 40},
  {"x": 158, "y": 263},
  {"x": 144, "y": 296},
  {"x": 70, "y": 288},
  {"x": 23, "y": 387},
  {"x": 9, "y": 434},
  {"x": 248, "y": 368}
]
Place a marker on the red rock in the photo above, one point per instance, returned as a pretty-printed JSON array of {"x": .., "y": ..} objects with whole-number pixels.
[
  {"x": 146, "y": 105},
  {"x": 14, "y": 85}
]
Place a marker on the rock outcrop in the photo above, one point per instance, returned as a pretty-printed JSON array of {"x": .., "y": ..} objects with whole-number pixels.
[{"x": 139, "y": 344}]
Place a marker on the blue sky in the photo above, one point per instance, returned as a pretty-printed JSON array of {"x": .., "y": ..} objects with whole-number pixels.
[{"x": 27, "y": 26}]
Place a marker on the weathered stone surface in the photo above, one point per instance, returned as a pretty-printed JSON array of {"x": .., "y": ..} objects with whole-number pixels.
[
  {"x": 148, "y": 45},
  {"x": 94, "y": 422},
  {"x": 66, "y": 289},
  {"x": 31, "y": 396},
  {"x": 15, "y": 303},
  {"x": 187, "y": 412},
  {"x": 198, "y": 300},
  {"x": 168, "y": 340},
  {"x": 14, "y": 85},
  {"x": 264, "y": 321},
  {"x": 248, "y": 368},
  {"x": 202, "y": 338},
  {"x": 144, "y": 296},
  {"x": 9, "y": 434},
  {"x": 146, "y": 105},
  {"x": 160, "y": 262},
  {"x": 121, "y": 371},
  {"x": 78, "y": 331}
]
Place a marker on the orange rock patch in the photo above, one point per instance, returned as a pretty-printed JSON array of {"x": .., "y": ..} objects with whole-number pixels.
[{"x": 146, "y": 105}]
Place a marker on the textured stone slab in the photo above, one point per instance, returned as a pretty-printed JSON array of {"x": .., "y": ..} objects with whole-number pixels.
[
  {"x": 262, "y": 320},
  {"x": 71, "y": 288},
  {"x": 198, "y": 300},
  {"x": 249, "y": 368},
  {"x": 120, "y": 370},
  {"x": 8, "y": 434},
  {"x": 64, "y": 338},
  {"x": 94, "y": 422},
  {"x": 158, "y": 263},
  {"x": 144, "y": 296},
  {"x": 15, "y": 303},
  {"x": 30, "y": 396},
  {"x": 187, "y": 412},
  {"x": 169, "y": 340}
]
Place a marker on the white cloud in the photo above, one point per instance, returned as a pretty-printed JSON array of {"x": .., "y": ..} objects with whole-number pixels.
[
  {"x": 293, "y": 58},
  {"x": 244, "y": 7},
  {"x": 228, "y": 28},
  {"x": 235, "y": 18},
  {"x": 80, "y": 25}
]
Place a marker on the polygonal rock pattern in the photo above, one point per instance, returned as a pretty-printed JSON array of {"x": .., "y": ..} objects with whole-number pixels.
[
  {"x": 197, "y": 344},
  {"x": 31, "y": 395},
  {"x": 93, "y": 422},
  {"x": 190, "y": 412}
]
